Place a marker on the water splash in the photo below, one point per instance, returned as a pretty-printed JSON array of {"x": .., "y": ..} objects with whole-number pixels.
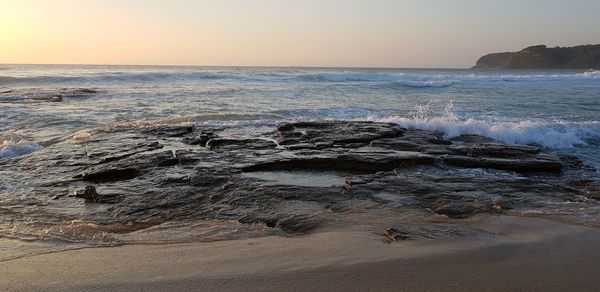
[{"x": 549, "y": 134}]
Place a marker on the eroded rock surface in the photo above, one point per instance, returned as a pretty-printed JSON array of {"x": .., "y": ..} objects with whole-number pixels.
[{"x": 303, "y": 175}]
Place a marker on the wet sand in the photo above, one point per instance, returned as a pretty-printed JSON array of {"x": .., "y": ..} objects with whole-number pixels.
[{"x": 519, "y": 254}]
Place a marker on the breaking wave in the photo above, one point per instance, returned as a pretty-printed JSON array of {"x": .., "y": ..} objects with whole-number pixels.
[{"x": 549, "y": 134}]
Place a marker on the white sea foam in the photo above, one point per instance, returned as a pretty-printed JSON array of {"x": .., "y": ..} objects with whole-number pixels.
[
  {"x": 548, "y": 134},
  {"x": 591, "y": 74},
  {"x": 14, "y": 145}
]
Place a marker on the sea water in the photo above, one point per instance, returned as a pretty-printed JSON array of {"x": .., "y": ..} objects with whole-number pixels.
[
  {"x": 44, "y": 105},
  {"x": 555, "y": 109}
]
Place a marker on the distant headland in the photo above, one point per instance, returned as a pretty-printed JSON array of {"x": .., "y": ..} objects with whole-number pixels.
[{"x": 542, "y": 57}]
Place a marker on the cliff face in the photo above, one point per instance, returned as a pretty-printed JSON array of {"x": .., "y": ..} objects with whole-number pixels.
[{"x": 542, "y": 57}]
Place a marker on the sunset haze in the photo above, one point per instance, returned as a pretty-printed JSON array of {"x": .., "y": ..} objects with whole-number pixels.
[{"x": 286, "y": 33}]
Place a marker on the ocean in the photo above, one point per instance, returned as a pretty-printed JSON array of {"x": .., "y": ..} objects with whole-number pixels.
[
  {"x": 555, "y": 109},
  {"x": 46, "y": 111}
]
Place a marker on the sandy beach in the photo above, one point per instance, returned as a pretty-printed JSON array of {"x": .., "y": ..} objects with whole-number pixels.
[{"x": 519, "y": 253}]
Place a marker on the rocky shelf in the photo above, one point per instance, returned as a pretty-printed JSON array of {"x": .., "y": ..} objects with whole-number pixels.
[{"x": 295, "y": 178}]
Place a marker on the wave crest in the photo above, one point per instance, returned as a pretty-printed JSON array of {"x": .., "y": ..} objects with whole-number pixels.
[{"x": 548, "y": 134}]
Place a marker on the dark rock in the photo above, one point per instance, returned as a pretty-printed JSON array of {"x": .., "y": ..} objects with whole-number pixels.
[
  {"x": 321, "y": 145},
  {"x": 244, "y": 143},
  {"x": 579, "y": 183},
  {"x": 542, "y": 164},
  {"x": 289, "y": 141},
  {"x": 320, "y": 174},
  {"x": 501, "y": 206},
  {"x": 542, "y": 57},
  {"x": 209, "y": 179},
  {"x": 593, "y": 191},
  {"x": 40, "y": 94},
  {"x": 396, "y": 144},
  {"x": 282, "y": 127},
  {"x": 301, "y": 146},
  {"x": 88, "y": 193},
  {"x": 126, "y": 169},
  {"x": 187, "y": 156},
  {"x": 438, "y": 141},
  {"x": 393, "y": 234},
  {"x": 137, "y": 149},
  {"x": 573, "y": 162},
  {"x": 110, "y": 174},
  {"x": 347, "y": 162},
  {"x": 84, "y": 91},
  {"x": 168, "y": 131},
  {"x": 353, "y": 182},
  {"x": 159, "y": 159},
  {"x": 496, "y": 150},
  {"x": 58, "y": 196},
  {"x": 316, "y": 125},
  {"x": 201, "y": 139},
  {"x": 357, "y": 138}
]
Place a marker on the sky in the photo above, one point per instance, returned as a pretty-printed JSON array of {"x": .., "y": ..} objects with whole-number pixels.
[{"x": 336, "y": 33}]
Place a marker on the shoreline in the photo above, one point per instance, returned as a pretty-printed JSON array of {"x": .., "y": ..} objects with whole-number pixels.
[{"x": 520, "y": 252}]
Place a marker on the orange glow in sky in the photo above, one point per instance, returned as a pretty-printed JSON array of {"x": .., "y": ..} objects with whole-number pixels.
[{"x": 382, "y": 33}]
